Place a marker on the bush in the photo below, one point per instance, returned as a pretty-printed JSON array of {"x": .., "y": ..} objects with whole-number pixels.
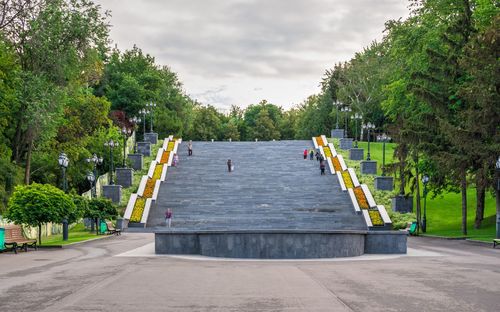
[{"x": 400, "y": 220}]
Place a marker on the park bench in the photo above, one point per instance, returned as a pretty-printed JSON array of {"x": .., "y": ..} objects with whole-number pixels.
[
  {"x": 412, "y": 229},
  {"x": 112, "y": 229},
  {"x": 496, "y": 241},
  {"x": 14, "y": 238}
]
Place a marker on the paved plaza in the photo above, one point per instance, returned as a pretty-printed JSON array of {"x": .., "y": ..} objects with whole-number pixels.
[
  {"x": 272, "y": 187},
  {"x": 123, "y": 274}
]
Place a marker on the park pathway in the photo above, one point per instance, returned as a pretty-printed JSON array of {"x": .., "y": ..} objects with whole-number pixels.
[{"x": 272, "y": 187}]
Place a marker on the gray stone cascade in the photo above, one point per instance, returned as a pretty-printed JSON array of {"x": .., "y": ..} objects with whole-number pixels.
[
  {"x": 337, "y": 133},
  {"x": 272, "y": 187},
  {"x": 151, "y": 137},
  {"x": 113, "y": 192},
  {"x": 369, "y": 167},
  {"x": 384, "y": 183},
  {"x": 136, "y": 161},
  {"x": 346, "y": 143},
  {"x": 356, "y": 154},
  {"x": 124, "y": 176},
  {"x": 144, "y": 148},
  {"x": 402, "y": 204}
]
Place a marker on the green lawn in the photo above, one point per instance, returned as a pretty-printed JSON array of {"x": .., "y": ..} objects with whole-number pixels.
[
  {"x": 444, "y": 213},
  {"x": 77, "y": 233}
]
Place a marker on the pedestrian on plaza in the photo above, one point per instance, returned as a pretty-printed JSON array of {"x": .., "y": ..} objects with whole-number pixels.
[
  {"x": 305, "y": 153},
  {"x": 230, "y": 166},
  {"x": 168, "y": 217},
  {"x": 322, "y": 167},
  {"x": 311, "y": 154},
  {"x": 317, "y": 155},
  {"x": 175, "y": 161},
  {"x": 190, "y": 148}
]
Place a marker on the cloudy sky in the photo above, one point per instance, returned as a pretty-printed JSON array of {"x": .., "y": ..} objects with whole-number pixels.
[{"x": 242, "y": 51}]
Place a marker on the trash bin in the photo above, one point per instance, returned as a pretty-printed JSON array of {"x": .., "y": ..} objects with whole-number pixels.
[
  {"x": 2, "y": 238},
  {"x": 103, "y": 227}
]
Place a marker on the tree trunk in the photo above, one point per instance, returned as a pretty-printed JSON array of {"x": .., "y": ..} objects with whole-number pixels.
[
  {"x": 417, "y": 177},
  {"x": 480, "y": 198},
  {"x": 39, "y": 234},
  {"x": 402, "y": 166},
  {"x": 27, "y": 170},
  {"x": 463, "y": 186}
]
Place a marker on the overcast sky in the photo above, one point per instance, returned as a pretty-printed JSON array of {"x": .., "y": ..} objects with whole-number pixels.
[{"x": 242, "y": 51}]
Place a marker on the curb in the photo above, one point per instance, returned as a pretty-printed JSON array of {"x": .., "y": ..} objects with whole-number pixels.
[
  {"x": 464, "y": 238},
  {"x": 73, "y": 244},
  {"x": 443, "y": 237}
]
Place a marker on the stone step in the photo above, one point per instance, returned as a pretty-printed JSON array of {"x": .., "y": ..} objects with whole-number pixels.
[{"x": 272, "y": 187}]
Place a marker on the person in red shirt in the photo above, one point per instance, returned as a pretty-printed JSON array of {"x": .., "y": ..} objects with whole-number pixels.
[{"x": 305, "y": 153}]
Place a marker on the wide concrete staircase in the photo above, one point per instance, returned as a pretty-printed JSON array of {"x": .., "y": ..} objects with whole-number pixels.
[{"x": 272, "y": 187}]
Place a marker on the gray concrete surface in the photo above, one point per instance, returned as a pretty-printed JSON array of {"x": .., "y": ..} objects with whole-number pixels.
[{"x": 112, "y": 275}]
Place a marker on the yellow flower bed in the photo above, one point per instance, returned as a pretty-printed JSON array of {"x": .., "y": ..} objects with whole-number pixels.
[
  {"x": 336, "y": 164},
  {"x": 360, "y": 196},
  {"x": 170, "y": 146},
  {"x": 347, "y": 179},
  {"x": 320, "y": 142},
  {"x": 150, "y": 186},
  {"x": 376, "y": 217},
  {"x": 138, "y": 210},
  {"x": 157, "y": 172},
  {"x": 164, "y": 157},
  {"x": 328, "y": 152}
]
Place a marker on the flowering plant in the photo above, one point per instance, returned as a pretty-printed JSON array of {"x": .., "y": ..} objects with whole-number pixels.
[
  {"x": 328, "y": 152},
  {"x": 319, "y": 140},
  {"x": 157, "y": 172},
  {"x": 164, "y": 157},
  {"x": 347, "y": 179},
  {"x": 360, "y": 196},
  {"x": 376, "y": 217},
  {"x": 150, "y": 186},
  {"x": 170, "y": 146},
  {"x": 336, "y": 164},
  {"x": 139, "y": 205}
]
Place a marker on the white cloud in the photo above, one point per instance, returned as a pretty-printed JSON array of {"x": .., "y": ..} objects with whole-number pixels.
[{"x": 280, "y": 47}]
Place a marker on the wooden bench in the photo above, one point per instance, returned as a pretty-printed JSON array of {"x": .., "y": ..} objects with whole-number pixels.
[
  {"x": 496, "y": 241},
  {"x": 112, "y": 229},
  {"x": 14, "y": 238}
]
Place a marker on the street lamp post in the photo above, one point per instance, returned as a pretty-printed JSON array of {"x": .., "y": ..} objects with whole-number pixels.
[
  {"x": 425, "y": 180},
  {"x": 63, "y": 161},
  {"x": 91, "y": 178},
  {"x": 356, "y": 117},
  {"x": 126, "y": 132},
  {"x": 111, "y": 144},
  {"x": 134, "y": 121},
  {"x": 151, "y": 107},
  {"x": 368, "y": 126},
  {"x": 95, "y": 160},
  {"x": 384, "y": 138},
  {"x": 346, "y": 111},
  {"x": 144, "y": 112},
  {"x": 497, "y": 173},
  {"x": 337, "y": 104}
]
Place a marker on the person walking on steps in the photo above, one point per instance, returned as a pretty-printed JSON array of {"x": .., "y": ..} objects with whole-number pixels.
[
  {"x": 230, "y": 166},
  {"x": 317, "y": 155},
  {"x": 305, "y": 153},
  {"x": 322, "y": 166},
  {"x": 175, "y": 161},
  {"x": 311, "y": 155},
  {"x": 190, "y": 148},
  {"x": 168, "y": 217}
]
